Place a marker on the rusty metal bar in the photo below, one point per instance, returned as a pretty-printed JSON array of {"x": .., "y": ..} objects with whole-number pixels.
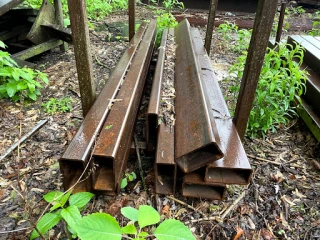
[
  {"x": 81, "y": 43},
  {"x": 281, "y": 19},
  {"x": 154, "y": 102},
  {"x": 76, "y": 155},
  {"x": 196, "y": 139},
  {"x": 132, "y": 18},
  {"x": 256, "y": 52},
  {"x": 6, "y": 5},
  {"x": 165, "y": 168},
  {"x": 113, "y": 146},
  {"x": 234, "y": 167},
  {"x": 59, "y": 19},
  {"x": 194, "y": 186},
  {"x": 210, "y": 25}
]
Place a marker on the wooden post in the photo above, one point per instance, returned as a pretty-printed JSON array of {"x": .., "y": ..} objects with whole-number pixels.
[
  {"x": 132, "y": 18},
  {"x": 210, "y": 25},
  {"x": 256, "y": 52},
  {"x": 81, "y": 43},
  {"x": 59, "y": 19}
]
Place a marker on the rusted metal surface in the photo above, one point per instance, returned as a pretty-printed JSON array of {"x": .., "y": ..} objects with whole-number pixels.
[
  {"x": 312, "y": 50},
  {"x": 37, "y": 34},
  {"x": 196, "y": 139},
  {"x": 59, "y": 20},
  {"x": 165, "y": 168},
  {"x": 62, "y": 33},
  {"x": 6, "y": 5},
  {"x": 155, "y": 96},
  {"x": 210, "y": 26},
  {"x": 194, "y": 186},
  {"x": 255, "y": 57},
  {"x": 132, "y": 18},
  {"x": 281, "y": 19},
  {"x": 234, "y": 167},
  {"x": 82, "y": 52},
  {"x": 113, "y": 145},
  {"x": 37, "y": 49},
  {"x": 311, "y": 119},
  {"x": 78, "y": 151}
]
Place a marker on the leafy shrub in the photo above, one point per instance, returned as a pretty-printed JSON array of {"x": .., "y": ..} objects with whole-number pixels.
[
  {"x": 104, "y": 226},
  {"x": 16, "y": 82},
  {"x": 170, "y": 4},
  {"x": 54, "y": 105},
  {"x": 315, "y": 31},
  {"x": 280, "y": 81},
  {"x": 164, "y": 21}
]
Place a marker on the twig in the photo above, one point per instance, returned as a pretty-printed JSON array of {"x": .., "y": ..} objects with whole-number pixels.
[
  {"x": 16, "y": 230},
  {"x": 232, "y": 206},
  {"x": 100, "y": 63},
  {"x": 186, "y": 205},
  {"x": 263, "y": 159},
  {"x": 140, "y": 164},
  {"x": 25, "y": 137}
]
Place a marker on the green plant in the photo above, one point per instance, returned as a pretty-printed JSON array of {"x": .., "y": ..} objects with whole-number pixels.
[
  {"x": 315, "y": 31},
  {"x": 54, "y": 105},
  {"x": 295, "y": 11},
  {"x": 164, "y": 21},
  {"x": 16, "y": 82},
  {"x": 70, "y": 214},
  {"x": 104, "y": 226},
  {"x": 280, "y": 82},
  {"x": 129, "y": 177},
  {"x": 170, "y": 4}
]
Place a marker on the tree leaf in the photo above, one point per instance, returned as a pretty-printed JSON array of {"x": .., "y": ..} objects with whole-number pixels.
[
  {"x": 72, "y": 215},
  {"x": 48, "y": 221},
  {"x": 53, "y": 195},
  {"x": 130, "y": 213},
  {"x": 124, "y": 183},
  {"x": 147, "y": 216},
  {"x": 129, "y": 229},
  {"x": 173, "y": 230},
  {"x": 80, "y": 199},
  {"x": 11, "y": 89},
  {"x": 98, "y": 226},
  {"x": 143, "y": 234}
]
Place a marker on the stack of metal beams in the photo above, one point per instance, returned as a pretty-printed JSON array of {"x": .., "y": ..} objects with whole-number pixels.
[{"x": 204, "y": 145}]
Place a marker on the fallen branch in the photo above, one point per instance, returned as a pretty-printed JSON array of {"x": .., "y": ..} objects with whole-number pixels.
[
  {"x": 25, "y": 137},
  {"x": 100, "y": 63},
  {"x": 185, "y": 204},
  {"x": 263, "y": 159},
  {"x": 140, "y": 164}
]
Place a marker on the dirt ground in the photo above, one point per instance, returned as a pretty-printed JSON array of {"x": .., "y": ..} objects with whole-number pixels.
[{"x": 281, "y": 202}]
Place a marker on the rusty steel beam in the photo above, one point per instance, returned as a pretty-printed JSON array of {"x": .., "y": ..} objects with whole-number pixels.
[
  {"x": 234, "y": 167},
  {"x": 255, "y": 57},
  {"x": 194, "y": 186},
  {"x": 281, "y": 19},
  {"x": 59, "y": 20},
  {"x": 114, "y": 142},
  {"x": 210, "y": 26},
  {"x": 75, "y": 158},
  {"x": 155, "y": 96},
  {"x": 312, "y": 50},
  {"x": 132, "y": 18},
  {"x": 196, "y": 139},
  {"x": 165, "y": 168},
  {"x": 6, "y": 5}
]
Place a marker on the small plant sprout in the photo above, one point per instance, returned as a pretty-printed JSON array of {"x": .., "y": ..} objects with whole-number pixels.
[
  {"x": 54, "y": 105},
  {"x": 129, "y": 177}
]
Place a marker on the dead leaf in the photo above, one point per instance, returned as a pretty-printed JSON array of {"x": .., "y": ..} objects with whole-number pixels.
[
  {"x": 238, "y": 234},
  {"x": 265, "y": 234},
  {"x": 166, "y": 210},
  {"x": 278, "y": 177}
]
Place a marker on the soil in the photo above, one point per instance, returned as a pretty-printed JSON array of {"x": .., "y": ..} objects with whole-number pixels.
[{"x": 281, "y": 202}]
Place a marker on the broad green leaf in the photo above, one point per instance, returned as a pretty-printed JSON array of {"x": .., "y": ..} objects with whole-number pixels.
[
  {"x": 53, "y": 197},
  {"x": 173, "y": 230},
  {"x": 98, "y": 226},
  {"x": 48, "y": 221},
  {"x": 143, "y": 234},
  {"x": 147, "y": 216},
  {"x": 124, "y": 183},
  {"x": 11, "y": 89},
  {"x": 80, "y": 199},
  {"x": 32, "y": 96},
  {"x": 56, "y": 206},
  {"x": 129, "y": 229},
  {"x": 2, "y": 45},
  {"x": 130, "y": 213},
  {"x": 72, "y": 215},
  {"x": 64, "y": 198}
]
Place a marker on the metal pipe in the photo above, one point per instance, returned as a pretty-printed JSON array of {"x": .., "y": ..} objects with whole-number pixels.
[
  {"x": 281, "y": 19},
  {"x": 210, "y": 25}
]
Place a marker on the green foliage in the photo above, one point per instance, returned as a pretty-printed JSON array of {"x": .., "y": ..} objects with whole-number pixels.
[
  {"x": 164, "y": 21},
  {"x": 16, "y": 82},
  {"x": 70, "y": 214},
  {"x": 170, "y": 4},
  {"x": 297, "y": 11},
  {"x": 54, "y": 105},
  {"x": 315, "y": 31},
  {"x": 129, "y": 177},
  {"x": 280, "y": 80}
]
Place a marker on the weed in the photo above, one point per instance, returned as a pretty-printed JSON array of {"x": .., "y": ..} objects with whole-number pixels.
[
  {"x": 296, "y": 11},
  {"x": 170, "y": 4},
  {"x": 315, "y": 31},
  {"x": 280, "y": 81},
  {"x": 164, "y": 21},
  {"x": 54, "y": 105},
  {"x": 104, "y": 226},
  {"x": 16, "y": 82},
  {"x": 129, "y": 177}
]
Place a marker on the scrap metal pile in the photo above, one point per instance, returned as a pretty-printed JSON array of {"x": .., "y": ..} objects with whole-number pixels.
[{"x": 189, "y": 127}]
